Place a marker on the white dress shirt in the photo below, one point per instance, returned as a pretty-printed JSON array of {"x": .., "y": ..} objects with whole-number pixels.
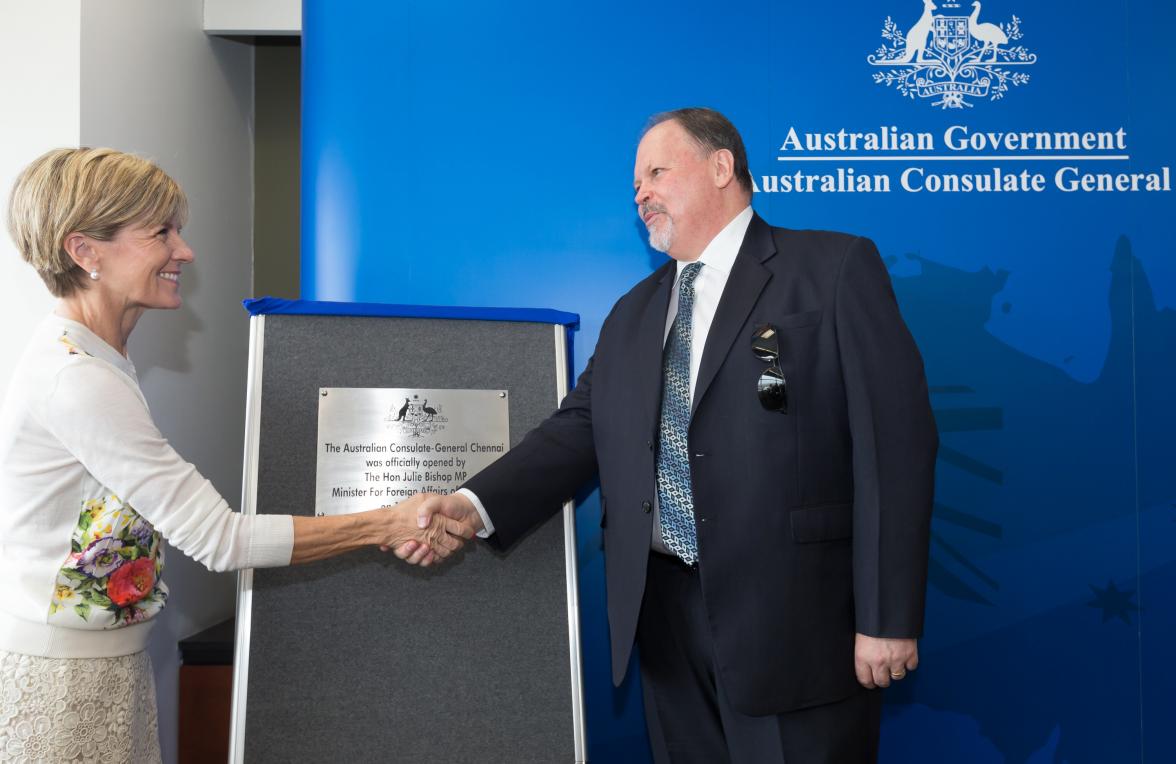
[{"x": 717, "y": 260}]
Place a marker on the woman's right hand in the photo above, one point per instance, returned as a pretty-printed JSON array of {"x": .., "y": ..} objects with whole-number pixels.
[{"x": 441, "y": 537}]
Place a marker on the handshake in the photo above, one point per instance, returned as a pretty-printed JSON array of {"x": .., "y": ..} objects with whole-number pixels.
[{"x": 429, "y": 527}]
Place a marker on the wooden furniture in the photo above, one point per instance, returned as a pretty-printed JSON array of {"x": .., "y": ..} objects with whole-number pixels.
[{"x": 206, "y": 695}]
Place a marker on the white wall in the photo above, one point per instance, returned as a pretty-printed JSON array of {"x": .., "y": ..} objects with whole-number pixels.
[
  {"x": 39, "y": 93},
  {"x": 155, "y": 84}
]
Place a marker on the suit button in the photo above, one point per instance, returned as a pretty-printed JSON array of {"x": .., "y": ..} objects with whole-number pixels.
[
  {"x": 649, "y": 443},
  {"x": 646, "y": 507}
]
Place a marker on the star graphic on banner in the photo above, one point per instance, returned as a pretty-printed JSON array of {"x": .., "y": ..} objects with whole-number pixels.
[{"x": 1113, "y": 602}]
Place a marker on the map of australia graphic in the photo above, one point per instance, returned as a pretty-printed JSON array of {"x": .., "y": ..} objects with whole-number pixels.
[{"x": 1054, "y": 538}]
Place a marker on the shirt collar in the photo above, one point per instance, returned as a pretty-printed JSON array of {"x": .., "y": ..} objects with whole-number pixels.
[
  {"x": 90, "y": 343},
  {"x": 720, "y": 253}
]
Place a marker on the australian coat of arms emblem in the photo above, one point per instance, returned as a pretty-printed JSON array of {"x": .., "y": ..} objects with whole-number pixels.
[
  {"x": 952, "y": 57},
  {"x": 416, "y": 418}
]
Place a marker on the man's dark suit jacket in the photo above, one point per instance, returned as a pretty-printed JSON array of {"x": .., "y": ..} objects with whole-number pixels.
[{"x": 812, "y": 525}]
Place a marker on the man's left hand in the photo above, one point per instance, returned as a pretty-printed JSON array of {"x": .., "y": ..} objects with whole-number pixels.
[{"x": 879, "y": 660}]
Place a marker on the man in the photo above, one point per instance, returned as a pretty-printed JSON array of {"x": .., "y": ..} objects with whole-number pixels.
[{"x": 758, "y": 416}]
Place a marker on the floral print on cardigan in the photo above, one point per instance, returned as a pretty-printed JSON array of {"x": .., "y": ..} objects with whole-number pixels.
[
  {"x": 112, "y": 575},
  {"x": 71, "y": 346}
]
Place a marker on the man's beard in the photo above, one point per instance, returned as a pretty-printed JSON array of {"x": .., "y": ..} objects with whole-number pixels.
[{"x": 661, "y": 238}]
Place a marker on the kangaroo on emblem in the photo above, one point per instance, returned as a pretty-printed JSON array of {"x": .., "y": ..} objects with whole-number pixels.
[{"x": 916, "y": 38}]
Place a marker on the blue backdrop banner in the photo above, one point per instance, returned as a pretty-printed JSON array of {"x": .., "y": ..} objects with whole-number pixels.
[{"x": 1012, "y": 161}]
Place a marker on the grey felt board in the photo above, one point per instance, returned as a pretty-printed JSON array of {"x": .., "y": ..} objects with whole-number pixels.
[{"x": 362, "y": 658}]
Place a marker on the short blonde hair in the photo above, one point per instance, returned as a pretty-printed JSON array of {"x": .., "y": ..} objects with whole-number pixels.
[{"x": 95, "y": 192}]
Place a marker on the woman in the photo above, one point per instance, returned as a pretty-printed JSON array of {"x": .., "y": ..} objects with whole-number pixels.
[{"x": 91, "y": 488}]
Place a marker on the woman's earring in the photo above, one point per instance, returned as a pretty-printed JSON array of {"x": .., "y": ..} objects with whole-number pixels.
[{"x": 94, "y": 274}]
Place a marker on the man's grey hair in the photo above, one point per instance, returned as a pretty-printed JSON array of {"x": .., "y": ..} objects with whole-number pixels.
[{"x": 711, "y": 131}]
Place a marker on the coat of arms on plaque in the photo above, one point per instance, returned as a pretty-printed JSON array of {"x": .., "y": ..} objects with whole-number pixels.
[{"x": 416, "y": 417}]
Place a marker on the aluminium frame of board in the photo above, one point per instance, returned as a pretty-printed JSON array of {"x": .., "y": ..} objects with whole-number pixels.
[
  {"x": 248, "y": 507},
  {"x": 245, "y": 577},
  {"x": 569, "y": 523}
]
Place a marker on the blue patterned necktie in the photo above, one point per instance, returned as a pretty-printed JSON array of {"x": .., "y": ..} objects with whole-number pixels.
[{"x": 674, "y": 495}]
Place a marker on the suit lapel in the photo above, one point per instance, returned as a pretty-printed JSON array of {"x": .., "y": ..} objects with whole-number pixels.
[
  {"x": 745, "y": 283},
  {"x": 650, "y": 340}
]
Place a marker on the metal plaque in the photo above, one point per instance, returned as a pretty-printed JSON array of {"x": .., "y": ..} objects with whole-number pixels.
[{"x": 381, "y": 445}]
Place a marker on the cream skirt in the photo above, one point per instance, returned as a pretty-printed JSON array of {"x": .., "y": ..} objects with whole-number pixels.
[{"x": 78, "y": 709}]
